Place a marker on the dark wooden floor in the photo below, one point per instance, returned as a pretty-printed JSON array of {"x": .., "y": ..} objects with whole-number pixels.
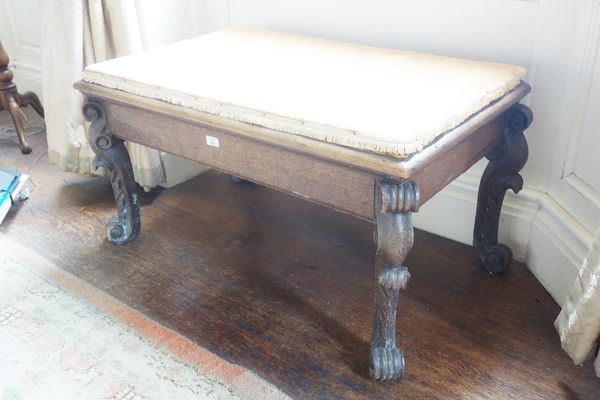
[{"x": 285, "y": 288}]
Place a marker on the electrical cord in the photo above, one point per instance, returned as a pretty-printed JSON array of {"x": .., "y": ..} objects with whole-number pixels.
[{"x": 8, "y": 133}]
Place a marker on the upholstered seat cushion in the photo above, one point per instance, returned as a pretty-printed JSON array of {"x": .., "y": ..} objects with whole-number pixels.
[{"x": 379, "y": 100}]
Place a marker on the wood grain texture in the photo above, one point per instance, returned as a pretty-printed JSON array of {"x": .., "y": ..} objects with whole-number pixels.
[
  {"x": 341, "y": 187},
  {"x": 392, "y": 167},
  {"x": 285, "y": 287}
]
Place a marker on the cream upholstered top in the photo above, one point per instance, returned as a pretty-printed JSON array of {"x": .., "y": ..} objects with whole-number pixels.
[{"x": 380, "y": 100}]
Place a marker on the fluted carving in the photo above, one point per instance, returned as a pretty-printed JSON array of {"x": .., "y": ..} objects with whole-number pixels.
[
  {"x": 394, "y": 203},
  {"x": 399, "y": 198},
  {"x": 112, "y": 155},
  {"x": 501, "y": 174}
]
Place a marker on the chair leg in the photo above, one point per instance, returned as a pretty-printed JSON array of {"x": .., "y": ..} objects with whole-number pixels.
[
  {"x": 394, "y": 203},
  {"x": 31, "y": 99},
  {"x": 501, "y": 174},
  {"x": 111, "y": 153},
  {"x": 15, "y": 112}
]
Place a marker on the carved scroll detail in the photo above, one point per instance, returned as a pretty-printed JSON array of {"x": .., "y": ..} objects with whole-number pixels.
[
  {"x": 501, "y": 174},
  {"x": 394, "y": 203},
  {"x": 112, "y": 154}
]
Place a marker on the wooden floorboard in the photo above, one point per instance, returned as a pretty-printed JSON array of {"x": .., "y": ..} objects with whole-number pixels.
[{"x": 285, "y": 288}]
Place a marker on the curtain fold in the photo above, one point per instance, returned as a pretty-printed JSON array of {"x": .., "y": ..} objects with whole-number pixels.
[
  {"x": 578, "y": 324},
  {"x": 76, "y": 33}
]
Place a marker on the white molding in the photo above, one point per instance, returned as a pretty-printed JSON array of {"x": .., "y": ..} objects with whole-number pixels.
[
  {"x": 564, "y": 231},
  {"x": 10, "y": 22},
  {"x": 34, "y": 71},
  {"x": 557, "y": 247},
  {"x": 25, "y": 58},
  {"x": 21, "y": 49},
  {"x": 581, "y": 187},
  {"x": 6, "y": 32},
  {"x": 27, "y": 77},
  {"x": 586, "y": 65},
  {"x": 565, "y": 186},
  {"x": 533, "y": 224}
]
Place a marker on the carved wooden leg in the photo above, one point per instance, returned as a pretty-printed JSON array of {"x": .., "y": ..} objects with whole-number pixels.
[
  {"x": 11, "y": 100},
  {"x": 15, "y": 112},
  {"x": 31, "y": 99},
  {"x": 112, "y": 154},
  {"x": 501, "y": 174},
  {"x": 394, "y": 203}
]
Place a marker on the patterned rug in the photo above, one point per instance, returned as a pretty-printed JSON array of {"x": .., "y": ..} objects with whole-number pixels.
[{"x": 60, "y": 338}]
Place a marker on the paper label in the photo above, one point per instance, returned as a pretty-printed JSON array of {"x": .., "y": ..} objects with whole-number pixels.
[{"x": 212, "y": 141}]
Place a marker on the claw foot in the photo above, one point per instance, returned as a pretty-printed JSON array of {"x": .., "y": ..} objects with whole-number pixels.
[
  {"x": 497, "y": 259},
  {"x": 386, "y": 363},
  {"x": 119, "y": 231},
  {"x": 25, "y": 148}
]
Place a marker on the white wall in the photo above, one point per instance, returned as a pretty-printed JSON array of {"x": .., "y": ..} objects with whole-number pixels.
[
  {"x": 165, "y": 21},
  {"x": 20, "y": 36},
  {"x": 161, "y": 21},
  {"x": 551, "y": 222},
  {"x": 570, "y": 210}
]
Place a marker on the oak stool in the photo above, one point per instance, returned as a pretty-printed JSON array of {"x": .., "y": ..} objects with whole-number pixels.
[{"x": 368, "y": 131}]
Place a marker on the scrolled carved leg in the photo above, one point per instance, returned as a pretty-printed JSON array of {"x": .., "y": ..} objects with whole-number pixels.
[
  {"x": 112, "y": 154},
  {"x": 394, "y": 203},
  {"x": 501, "y": 174}
]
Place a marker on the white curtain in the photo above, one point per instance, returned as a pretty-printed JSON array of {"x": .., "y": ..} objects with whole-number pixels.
[
  {"x": 76, "y": 33},
  {"x": 579, "y": 321}
]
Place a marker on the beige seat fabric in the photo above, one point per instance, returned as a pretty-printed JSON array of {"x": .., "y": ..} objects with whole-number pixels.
[{"x": 380, "y": 100}]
